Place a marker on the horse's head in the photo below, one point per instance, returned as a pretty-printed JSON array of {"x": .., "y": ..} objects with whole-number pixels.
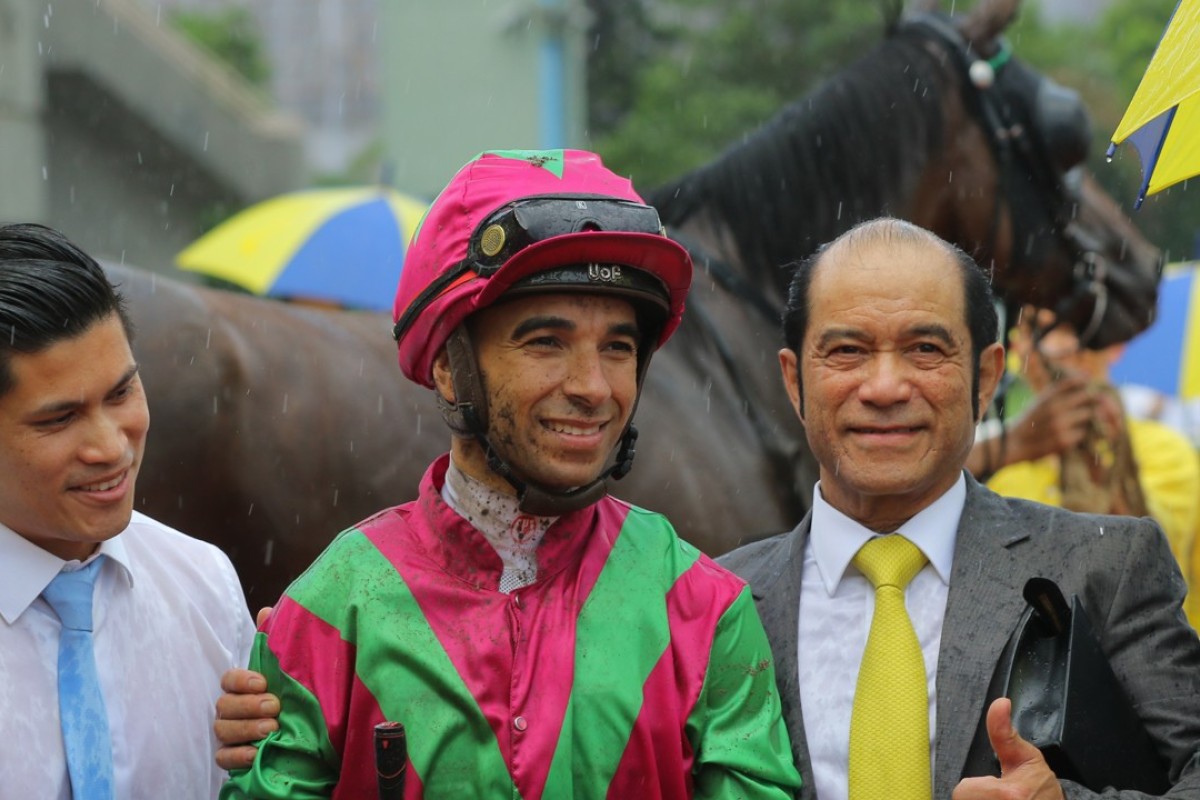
[{"x": 1054, "y": 237}]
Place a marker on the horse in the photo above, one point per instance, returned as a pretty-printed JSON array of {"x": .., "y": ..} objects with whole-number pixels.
[
  {"x": 994, "y": 164},
  {"x": 274, "y": 426}
]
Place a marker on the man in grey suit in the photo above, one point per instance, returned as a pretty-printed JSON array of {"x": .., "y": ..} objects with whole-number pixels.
[{"x": 891, "y": 354}]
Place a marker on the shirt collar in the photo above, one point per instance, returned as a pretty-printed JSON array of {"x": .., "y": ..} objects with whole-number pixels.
[
  {"x": 461, "y": 549},
  {"x": 835, "y": 537},
  {"x": 491, "y": 512},
  {"x": 26, "y": 569},
  {"x": 513, "y": 534}
]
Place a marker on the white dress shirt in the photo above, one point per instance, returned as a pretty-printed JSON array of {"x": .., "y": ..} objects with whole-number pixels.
[
  {"x": 169, "y": 617},
  {"x": 836, "y": 604}
]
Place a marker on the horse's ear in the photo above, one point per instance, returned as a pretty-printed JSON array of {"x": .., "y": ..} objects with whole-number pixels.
[{"x": 986, "y": 21}]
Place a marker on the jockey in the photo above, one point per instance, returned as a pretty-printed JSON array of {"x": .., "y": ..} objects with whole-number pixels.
[{"x": 535, "y": 636}]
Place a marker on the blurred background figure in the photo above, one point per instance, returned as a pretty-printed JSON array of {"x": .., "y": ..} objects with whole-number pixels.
[{"x": 1071, "y": 443}]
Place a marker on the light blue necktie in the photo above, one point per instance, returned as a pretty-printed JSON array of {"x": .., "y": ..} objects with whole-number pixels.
[{"x": 80, "y": 703}]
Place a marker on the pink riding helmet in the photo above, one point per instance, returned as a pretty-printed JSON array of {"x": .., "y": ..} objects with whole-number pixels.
[{"x": 508, "y": 215}]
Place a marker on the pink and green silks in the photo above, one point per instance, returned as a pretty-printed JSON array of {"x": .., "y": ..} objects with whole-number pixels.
[{"x": 633, "y": 667}]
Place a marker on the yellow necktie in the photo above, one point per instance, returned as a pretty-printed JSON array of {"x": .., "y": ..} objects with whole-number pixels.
[{"x": 889, "y": 724}]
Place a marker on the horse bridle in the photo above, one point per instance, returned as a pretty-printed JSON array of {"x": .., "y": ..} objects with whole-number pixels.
[{"x": 1060, "y": 124}]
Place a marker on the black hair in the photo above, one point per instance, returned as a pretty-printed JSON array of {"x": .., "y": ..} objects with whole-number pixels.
[
  {"x": 50, "y": 291},
  {"x": 982, "y": 321}
]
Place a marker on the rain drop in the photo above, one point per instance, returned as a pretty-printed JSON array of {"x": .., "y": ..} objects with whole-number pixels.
[
  {"x": 270, "y": 550},
  {"x": 285, "y": 403}
]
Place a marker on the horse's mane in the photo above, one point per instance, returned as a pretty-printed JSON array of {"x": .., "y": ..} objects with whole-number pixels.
[{"x": 851, "y": 150}]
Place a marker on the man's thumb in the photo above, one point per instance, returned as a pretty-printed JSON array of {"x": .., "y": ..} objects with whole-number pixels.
[{"x": 1011, "y": 750}]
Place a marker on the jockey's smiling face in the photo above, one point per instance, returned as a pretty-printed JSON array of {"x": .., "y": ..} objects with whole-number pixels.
[{"x": 560, "y": 372}]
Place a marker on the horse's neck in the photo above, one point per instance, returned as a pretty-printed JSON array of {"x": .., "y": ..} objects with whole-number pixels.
[{"x": 852, "y": 150}]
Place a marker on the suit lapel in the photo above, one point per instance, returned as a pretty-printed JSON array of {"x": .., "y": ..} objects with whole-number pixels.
[
  {"x": 777, "y": 595},
  {"x": 982, "y": 608}
]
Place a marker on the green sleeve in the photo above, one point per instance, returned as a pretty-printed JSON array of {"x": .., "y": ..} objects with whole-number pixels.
[
  {"x": 741, "y": 745},
  {"x": 297, "y": 761}
]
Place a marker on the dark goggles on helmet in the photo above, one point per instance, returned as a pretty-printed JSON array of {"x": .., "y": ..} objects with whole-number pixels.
[
  {"x": 517, "y": 225},
  {"x": 530, "y": 220}
]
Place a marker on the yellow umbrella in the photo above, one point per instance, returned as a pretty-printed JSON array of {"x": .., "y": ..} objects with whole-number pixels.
[
  {"x": 343, "y": 246},
  {"x": 1163, "y": 119}
]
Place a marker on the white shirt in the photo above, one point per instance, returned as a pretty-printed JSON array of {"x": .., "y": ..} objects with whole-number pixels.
[
  {"x": 169, "y": 617},
  {"x": 836, "y": 604}
]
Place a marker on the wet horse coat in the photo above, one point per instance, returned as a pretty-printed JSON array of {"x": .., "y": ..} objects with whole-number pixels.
[{"x": 275, "y": 426}]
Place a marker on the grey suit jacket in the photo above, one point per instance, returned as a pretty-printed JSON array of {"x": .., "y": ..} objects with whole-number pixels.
[{"x": 1122, "y": 571}]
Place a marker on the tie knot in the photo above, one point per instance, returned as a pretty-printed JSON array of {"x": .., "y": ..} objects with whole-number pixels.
[
  {"x": 70, "y": 595},
  {"x": 890, "y": 561}
]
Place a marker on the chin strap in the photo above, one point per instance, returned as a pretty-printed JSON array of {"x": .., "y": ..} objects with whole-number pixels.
[
  {"x": 468, "y": 417},
  {"x": 543, "y": 502}
]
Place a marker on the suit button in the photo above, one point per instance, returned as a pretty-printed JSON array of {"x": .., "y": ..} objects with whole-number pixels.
[{"x": 520, "y": 724}]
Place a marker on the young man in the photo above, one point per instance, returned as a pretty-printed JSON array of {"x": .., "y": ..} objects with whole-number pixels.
[
  {"x": 114, "y": 627},
  {"x": 536, "y": 637},
  {"x": 891, "y": 354}
]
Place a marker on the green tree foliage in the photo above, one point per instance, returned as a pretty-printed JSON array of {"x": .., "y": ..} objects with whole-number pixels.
[
  {"x": 232, "y": 35},
  {"x": 702, "y": 74}
]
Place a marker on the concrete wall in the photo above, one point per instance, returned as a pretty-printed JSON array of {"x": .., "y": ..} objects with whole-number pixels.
[
  {"x": 23, "y": 196},
  {"x": 461, "y": 76},
  {"x": 116, "y": 130}
]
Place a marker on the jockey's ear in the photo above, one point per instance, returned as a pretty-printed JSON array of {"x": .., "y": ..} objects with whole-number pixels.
[{"x": 442, "y": 378}]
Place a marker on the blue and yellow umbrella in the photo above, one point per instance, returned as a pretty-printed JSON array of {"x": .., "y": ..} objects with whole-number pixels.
[
  {"x": 1163, "y": 118},
  {"x": 338, "y": 246},
  {"x": 1166, "y": 356}
]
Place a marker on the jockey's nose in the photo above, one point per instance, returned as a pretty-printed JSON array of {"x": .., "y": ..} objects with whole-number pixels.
[{"x": 587, "y": 378}]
